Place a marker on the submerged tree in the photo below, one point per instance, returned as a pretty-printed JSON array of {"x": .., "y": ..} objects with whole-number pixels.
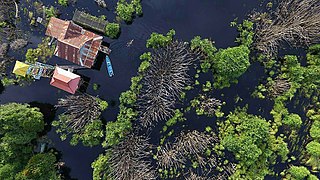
[
  {"x": 127, "y": 160},
  {"x": 163, "y": 81},
  {"x": 81, "y": 119},
  {"x": 296, "y": 22},
  {"x": 278, "y": 87},
  {"x": 81, "y": 109}
]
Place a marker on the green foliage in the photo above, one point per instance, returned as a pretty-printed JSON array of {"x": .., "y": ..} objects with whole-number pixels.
[
  {"x": 100, "y": 167},
  {"x": 246, "y": 33},
  {"x": 177, "y": 117},
  {"x": 315, "y": 130},
  {"x": 90, "y": 135},
  {"x": 19, "y": 126},
  {"x": 112, "y": 30},
  {"x": 146, "y": 56},
  {"x": 51, "y": 12},
  {"x": 299, "y": 172},
  {"x": 229, "y": 64},
  {"x": 40, "y": 167},
  {"x": 128, "y": 97},
  {"x": 116, "y": 131},
  {"x": 42, "y": 52},
  {"x": 125, "y": 10},
  {"x": 292, "y": 120},
  {"x": 157, "y": 40},
  {"x": 248, "y": 138},
  {"x": 19, "y": 123},
  {"x": 103, "y": 104},
  {"x": 143, "y": 66},
  {"x": 313, "y": 148},
  {"x": 63, "y": 2},
  {"x": 207, "y": 47}
]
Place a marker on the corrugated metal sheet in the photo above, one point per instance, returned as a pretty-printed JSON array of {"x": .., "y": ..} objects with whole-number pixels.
[{"x": 73, "y": 38}]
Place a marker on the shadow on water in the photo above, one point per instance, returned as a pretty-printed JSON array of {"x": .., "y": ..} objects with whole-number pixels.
[{"x": 48, "y": 111}]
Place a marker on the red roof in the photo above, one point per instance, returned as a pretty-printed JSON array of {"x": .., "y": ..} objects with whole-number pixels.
[
  {"x": 65, "y": 80},
  {"x": 75, "y": 44}
]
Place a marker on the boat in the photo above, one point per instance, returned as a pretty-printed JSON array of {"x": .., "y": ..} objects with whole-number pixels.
[{"x": 109, "y": 66}]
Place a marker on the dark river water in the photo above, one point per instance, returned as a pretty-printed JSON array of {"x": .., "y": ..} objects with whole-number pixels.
[{"x": 207, "y": 18}]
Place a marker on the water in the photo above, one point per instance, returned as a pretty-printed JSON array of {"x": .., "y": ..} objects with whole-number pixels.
[{"x": 207, "y": 18}]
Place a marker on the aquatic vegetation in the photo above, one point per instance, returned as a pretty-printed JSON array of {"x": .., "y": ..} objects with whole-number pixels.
[
  {"x": 63, "y": 2},
  {"x": 208, "y": 106},
  {"x": 112, "y": 30},
  {"x": 125, "y": 10},
  {"x": 157, "y": 40},
  {"x": 294, "y": 22}
]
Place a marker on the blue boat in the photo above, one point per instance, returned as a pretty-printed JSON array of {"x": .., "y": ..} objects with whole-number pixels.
[{"x": 109, "y": 66}]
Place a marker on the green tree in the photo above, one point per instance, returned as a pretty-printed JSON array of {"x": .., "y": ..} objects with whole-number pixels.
[
  {"x": 229, "y": 64},
  {"x": 292, "y": 120},
  {"x": 299, "y": 172},
  {"x": 112, "y": 30},
  {"x": 125, "y": 10},
  {"x": 100, "y": 167},
  {"x": 40, "y": 167},
  {"x": 19, "y": 126},
  {"x": 313, "y": 149},
  {"x": 157, "y": 40},
  {"x": 248, "y": 138}
]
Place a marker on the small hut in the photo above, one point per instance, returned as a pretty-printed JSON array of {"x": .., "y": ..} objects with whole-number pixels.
[
  {"x": 21, "y": 68},
  {"x": 89, "y": 21},
  {"x": 65, "y": 80}
]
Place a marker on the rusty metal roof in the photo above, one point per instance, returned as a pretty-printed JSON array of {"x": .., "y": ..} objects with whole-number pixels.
[{"x": 75, "y": 44}]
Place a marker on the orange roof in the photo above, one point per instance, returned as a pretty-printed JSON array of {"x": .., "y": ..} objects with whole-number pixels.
[
  {"x": 57, "y": 28},
  {"x": 71, "y": 38},
  {"x": 65, "y": 80}
]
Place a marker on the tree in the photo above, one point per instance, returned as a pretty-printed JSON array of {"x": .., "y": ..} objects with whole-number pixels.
[
  {"x": 299, "y": 172},
  {"x": 40, "y": 167},
  {"x": 164, "y": 81},
  {"x": 229, "y": 64},
  {"x": 313, "y": 149},
  {"x": 125, "y": 10},
  {"x": 292, "y": 120},
  {"x": 19, "y": 123},
  {"x": 315, "y": 130},
  {"x": 126, "y": 160},
  {"x": 112, "y": 30},
  {"x": 19, "y": 126},
  {"x": 157, "y": 40},
  {"x": 248, "y": 137}
]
